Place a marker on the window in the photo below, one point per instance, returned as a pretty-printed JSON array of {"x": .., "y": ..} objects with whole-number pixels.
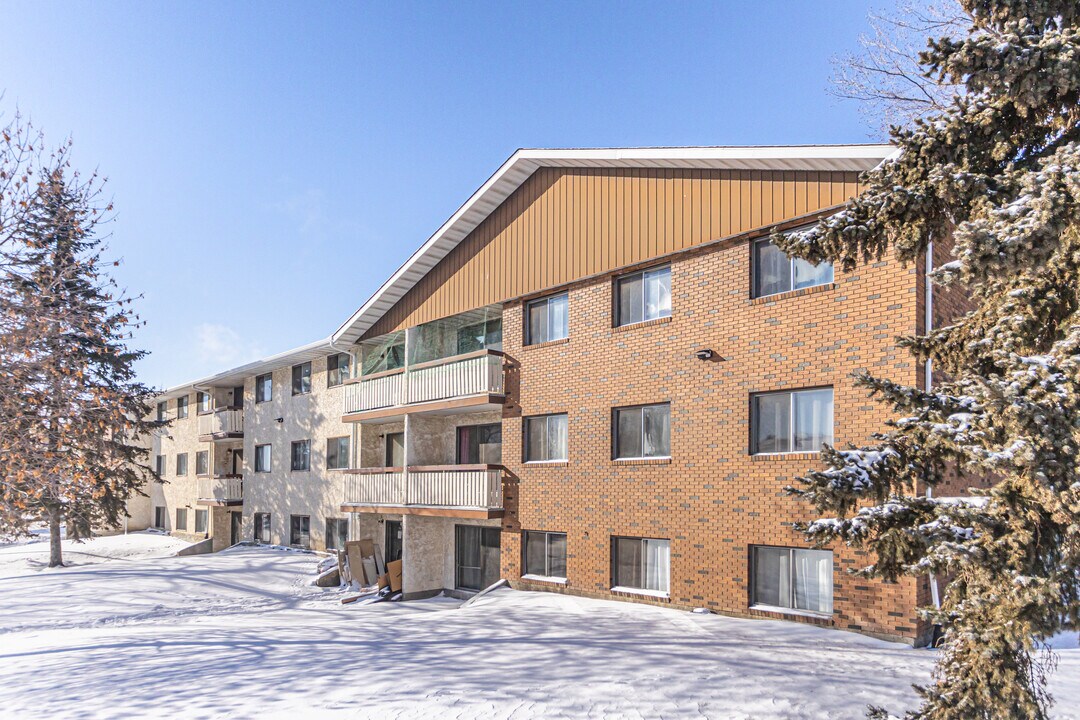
[
  {"x": 337, "y": 533},
  {"x": 643, "y": 296},
  {"x": 476, "y": 556},
  {"x": 181, "y": 519},
  {"x": 159, "y": 466},
  {"x": 202, "y": 518},
  {"x": 643, "y": 432},
  {"x": 545, "y": 554},
  {"x": 264, "y": 388},
  {"x": 337, "y": 369},
  {"x": 262, "y": 528},
  {"x": 301, "y": 455},
  {"x": 202, "y": 402},
  {"x": 798, "y": 421},
  {"x": 300, "y": 531},
  {"x": 792, "y": 579},
  {"x": 547, "y": 319},
  {"x": 301, "y": 379},
  {"x": 181, "y": 464},
  {"x": 641, "y": 564},
  {"x": 163, "y": 410},
  {"x": 395, "y": 449},
  {"x": 545, "y": 438},
  {"x": 383, "y": 353},
  {"x": 202, "y": 462},
  {"x": 337, "y": 453},
  {"x": 182, "y": 407},
  {"x": 159, "y": 517},
  {"x": 477, "y": 336},
  {"x": 775, "y": 272},
  {"x": 478, "y": 444},
  {"x": 262, "y": 458}
]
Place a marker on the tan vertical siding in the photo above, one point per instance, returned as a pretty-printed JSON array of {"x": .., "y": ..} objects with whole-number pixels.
[{"x": 563, "y": 224}]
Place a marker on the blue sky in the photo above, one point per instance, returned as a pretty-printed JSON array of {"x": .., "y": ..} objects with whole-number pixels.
[{"x": 272, "y": 163}]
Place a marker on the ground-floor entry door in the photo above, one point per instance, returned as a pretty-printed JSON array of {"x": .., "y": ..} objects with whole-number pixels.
[
  {"x": 393, "y": 541},
  {"x": 476, "y": 556},
  {"x": 235, "y": 522}
]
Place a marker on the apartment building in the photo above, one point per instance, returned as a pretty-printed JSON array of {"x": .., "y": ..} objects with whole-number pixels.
[{"x": 597, "y": 377}]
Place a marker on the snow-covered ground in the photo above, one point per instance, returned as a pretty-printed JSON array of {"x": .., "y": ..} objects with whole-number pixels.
[
  {"x": 32, "y": 554},
  {"x": 244, "y": 634}
]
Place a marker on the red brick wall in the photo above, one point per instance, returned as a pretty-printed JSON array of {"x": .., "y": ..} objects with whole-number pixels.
[{"x": 713, "y": 500}]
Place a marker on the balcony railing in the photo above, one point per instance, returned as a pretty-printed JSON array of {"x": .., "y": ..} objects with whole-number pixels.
[
  {"x": 477, "y": 373},
  {"x": 449, "y": 486},
  {"x": 221, "y": 488},
  {"x": 223, "y": 422}
]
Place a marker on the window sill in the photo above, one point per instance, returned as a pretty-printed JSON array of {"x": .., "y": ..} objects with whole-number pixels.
[
  {"x": 773, "y": 457},
  {"x": 546, "y": 463},
  {"x": 547, "y": 343},
  {"x": 544, "y": 579},
  {"x": 765, "y": 299},
  {"x": 643, "y": 323},
  {"x": 658, "y": 594},
  {"x": 666, "y": 460},
  {"x": 791, "y": 611}
]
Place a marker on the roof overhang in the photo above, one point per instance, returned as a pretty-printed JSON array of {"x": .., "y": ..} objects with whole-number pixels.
[{"x": 523, "y": 163}]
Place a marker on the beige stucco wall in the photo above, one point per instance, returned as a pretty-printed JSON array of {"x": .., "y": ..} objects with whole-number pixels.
[{"x": 282, "y": 492}]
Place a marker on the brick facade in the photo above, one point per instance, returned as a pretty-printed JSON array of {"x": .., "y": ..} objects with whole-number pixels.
[{"x": 712, "y": 500}]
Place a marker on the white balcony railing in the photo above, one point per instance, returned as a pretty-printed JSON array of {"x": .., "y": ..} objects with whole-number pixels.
[
  {"x": 221, "y": 488},
  {"x": 224, "y": 421},
  {"x": 472, "y": 374},
  {"x": 469, "y": 486}
]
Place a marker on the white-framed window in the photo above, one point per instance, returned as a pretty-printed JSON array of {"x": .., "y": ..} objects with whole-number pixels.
[
  {"x": 792, "y": 579},
  {"x": 202, "y": 520},
  {"x": 181, "y": 464},
  {"x": 301, "y": 455},
  {"x": 202, "y": 462},
  {"x": 262, "y": 458},
  {"x": 337, "y": 453},
  {"x": 301, "y": 379},
  {"x": 791, "y": 421},
  {"x": 181, "y": 519},
  {"x": 337, "y": 369},
  {"x": 642, "y": 564},
  {"x": 547, "y": 319},
  {"x": 545, "y": 554},
  {"x": 546, "y": 438},
  {"x": 642, "y": 296},
  {"x": 643, "y": 431},
  {"x": 202, "y": 402},
  {"x": 262, "y": 527},
  {"x": 181, "y": 407},
  {"x": 264, "y": 388},
  {"x": 775, "y": 272}
]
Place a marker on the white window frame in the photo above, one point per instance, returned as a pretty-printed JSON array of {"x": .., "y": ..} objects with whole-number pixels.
[
  {"x": 754, "y": 419},
  {"x": 644, "y": 306},
  {"x": 547, "y": 576},
  {"x": 269, "y": 458},
  {"x": 788, "y": 610},
  {"x": 202, "y": 454},
  {"x": 644, "y": 566}
]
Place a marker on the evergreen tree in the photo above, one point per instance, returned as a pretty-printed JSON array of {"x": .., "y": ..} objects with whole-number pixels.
[
  {"x": 71, "y": 411},
  {"x": 998, "y": 172}
]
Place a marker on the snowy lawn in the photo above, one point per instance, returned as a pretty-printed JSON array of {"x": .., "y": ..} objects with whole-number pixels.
[
  {"x": 32, "y": 554},
  {"x": 244, "y": 634}
]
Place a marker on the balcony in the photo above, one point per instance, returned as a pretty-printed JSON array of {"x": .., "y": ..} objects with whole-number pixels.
[
  {"x": 223, "y": 490},
  {"x": 464, "y": 491},
  {"x": 475, "y": 378},
  {"x": 222, "y": 424}
]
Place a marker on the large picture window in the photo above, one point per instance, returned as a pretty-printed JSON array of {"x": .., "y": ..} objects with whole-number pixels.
[
  {"x": 775, "y": 272},
  {"x": 545, "y": 438},
  {"x": 643, "y": 431},
  {"x": 641, "y": 564},
  {"x": 547, "y": 319},
  {"x": 792, "y": 579},
  {"x": 643, "y": 296},
  {"x": 545, "y": 554},
  {"x": 795, "y": 421}
]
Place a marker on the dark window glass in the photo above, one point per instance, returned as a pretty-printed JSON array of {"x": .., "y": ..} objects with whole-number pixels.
[
  {"x": 793, "y": 578},
  {"x": 262, "y": 527},
  {"x": 162, "y": 411},
  {"x": 159, "y": 465},
  {"x": 262, "y": 458},
  {"x": 203, "y": 401},
  {"x": 548, "y": 320},
  {"x": 478, "y": 444},
  {"x": 181, "y": 519},
  {"x": 181, "y": 407},
  {"x": 337, "y": 369},
  {"x": 641, "y": 563},
  {"x": 202, "y": 462},
  {"x": 181, "y": 464},
  {"x": 643, "y": 296},
  {"x": 201, "y": 520},
  {"x": 476, "y": 554},
  {"x": 775, "y": 272},
  {"x": 395, "y": 449},
  {"x": 478, "y": 336},
  {"x": 159, "y": 517},
  {"x": 545, "y": 438},
  {"x": 337, "y": 533},
  {"x": 300, "y": 531},
  {"x": 643, "y": 432},
  {"x": 337, "y": 453},
  {"x": 301, "y": 379},
  {"x": 797, "y": 421},
  {"x": 301, "y": 455},
  {"x": 545, "y": 554},
  {"x": 264, "y": 388}
]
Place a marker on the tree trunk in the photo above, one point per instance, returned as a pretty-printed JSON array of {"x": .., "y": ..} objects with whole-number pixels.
[{"x": 55, "y": 557}]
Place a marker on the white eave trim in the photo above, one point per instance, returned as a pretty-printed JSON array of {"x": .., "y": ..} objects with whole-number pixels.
[{"x": 523, "y": 163}]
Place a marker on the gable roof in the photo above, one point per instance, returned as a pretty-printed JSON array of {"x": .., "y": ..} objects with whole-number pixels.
[{"x": 523, "y": 163}]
